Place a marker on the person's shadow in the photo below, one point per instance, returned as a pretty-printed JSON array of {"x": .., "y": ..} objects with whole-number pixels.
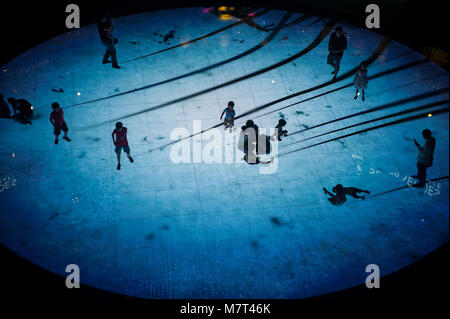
[{"x": 340, "y": 192}]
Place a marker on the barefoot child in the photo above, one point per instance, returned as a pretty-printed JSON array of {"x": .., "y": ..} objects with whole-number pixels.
[
  {"x": 229, "y": 116},
  {"x": 121, "y": 142},
  {"x": 57, "y": 120}
]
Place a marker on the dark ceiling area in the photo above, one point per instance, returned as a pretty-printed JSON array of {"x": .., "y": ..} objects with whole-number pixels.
[{"x": 418, "y": 24}]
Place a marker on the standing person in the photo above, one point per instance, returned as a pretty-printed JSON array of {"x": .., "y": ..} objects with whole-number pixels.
[
  {"x": 229, "y": 116},
  {"x": 58, "y": 122},
  {"x": 280, "y": 132},
  {"x": 105, "y": 28},
  {"x": 424, "y": 158},
  {"x": 121, "y": 142},
  {"x": 253, "y": 133},
  {"x": 360, "y": 80},
  {"x": 336, "y": 46}
]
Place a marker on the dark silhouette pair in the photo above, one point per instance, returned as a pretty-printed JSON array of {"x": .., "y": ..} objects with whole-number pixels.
[
  {"x": 21, "y": 108},
  {"x": 252, "y": 146}
]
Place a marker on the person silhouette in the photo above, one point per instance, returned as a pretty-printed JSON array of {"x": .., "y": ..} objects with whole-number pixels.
[
  {"x": 340, "y": 191},
  {"x": 105, "y": 28},
  {"x": 336, "y": 47},
  {"x": 360, "y": 80},
  {"x": 230, "y": 113},
  {"x": 250, "y": 129},
  {"x": 58, "y": 122},
  {"x": 424, "y": 157},
  {"x": 119, "y": 137},
  {"x": 280, "y": 132},
  {"x": 23, "y": 110}
]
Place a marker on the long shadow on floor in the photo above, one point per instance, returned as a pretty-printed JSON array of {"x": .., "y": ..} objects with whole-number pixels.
[
  {"x": 235, "y": 58},
  {"x": 244, "y": 20},
  {"x": 403, "y": 120}
]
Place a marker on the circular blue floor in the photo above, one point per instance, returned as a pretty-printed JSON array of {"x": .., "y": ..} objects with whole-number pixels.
[{"x": 157, "y": 229}]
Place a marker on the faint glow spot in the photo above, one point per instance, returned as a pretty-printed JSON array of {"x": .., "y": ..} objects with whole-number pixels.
[
  {"x": 223, "y": 43},
  {"x": 358, "y": 93},
  {"x": 251, "y": 14},
  {"x": 430, "y": 115},
  {"x": 422, "y": 220},
  {"x": 273, "y": 81},
  {"x": 13, "y": 154},
  {"x": 32, "y": 107},
  {"x": 78, "y": 93},
  {"x": 223, "y": 8},
  {"x": 206, "y": 10},
  {"x": 4, "y": 70}
]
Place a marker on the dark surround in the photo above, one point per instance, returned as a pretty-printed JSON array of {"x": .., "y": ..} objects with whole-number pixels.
[
  {"x": 415, "y": 23},
  {"x": 423, "y": 281}
]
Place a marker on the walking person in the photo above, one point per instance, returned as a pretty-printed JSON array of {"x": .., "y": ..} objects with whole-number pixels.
[
  {"x": 121, "y": 142},
  {"x": 360, "y": 80},
  {"x": 58, "y": 122},
  {"x": 336, "y": 47},
  {"x": 424, "y": 158},
  {"x": 230, "y": 113},
  {"x": 105, "y": 28}
]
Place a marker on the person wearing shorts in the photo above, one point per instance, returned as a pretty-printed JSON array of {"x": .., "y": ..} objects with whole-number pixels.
[
  {"x": 119, "y": 136},
  {"x": 229, "y": 116},
  {"x": 58, "y": 122}
]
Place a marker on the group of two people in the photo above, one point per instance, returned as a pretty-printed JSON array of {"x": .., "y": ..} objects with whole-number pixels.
[
  {"x": 22, "y": 110},
  {"x": 336, "y": 47},
  {"x": 424, "y": 161},
  {"x": 119, "y": 134}
]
